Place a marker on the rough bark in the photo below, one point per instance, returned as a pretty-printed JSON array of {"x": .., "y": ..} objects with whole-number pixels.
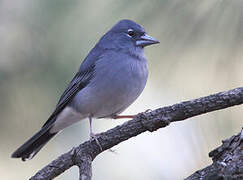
[
  {"x": 83, "y": 155},
  {"x": 227, "y": 161}
]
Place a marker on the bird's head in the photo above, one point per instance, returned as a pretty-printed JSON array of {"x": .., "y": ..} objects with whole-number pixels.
[{"x": 127, "y": 34}]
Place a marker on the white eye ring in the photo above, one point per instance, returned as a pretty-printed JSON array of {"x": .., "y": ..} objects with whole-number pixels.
[{"x": 130, "y": 32}]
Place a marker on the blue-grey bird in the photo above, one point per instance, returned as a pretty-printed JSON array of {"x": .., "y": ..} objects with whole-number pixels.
[{"x": 109, "y": 79}]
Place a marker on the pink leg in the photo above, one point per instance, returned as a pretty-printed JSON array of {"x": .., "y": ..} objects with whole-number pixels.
[
  {"x": 123, "y": 116},
  {"x": 128, "y": 116}
]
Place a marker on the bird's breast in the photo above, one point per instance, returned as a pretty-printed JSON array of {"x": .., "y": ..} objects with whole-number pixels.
[{"x": 116, "y": 85}]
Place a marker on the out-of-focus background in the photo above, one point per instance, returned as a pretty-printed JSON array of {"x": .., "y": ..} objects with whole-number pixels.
[{"x": 42, "y": 44}]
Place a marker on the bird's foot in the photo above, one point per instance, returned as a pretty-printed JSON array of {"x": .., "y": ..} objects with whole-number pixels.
[
  {"x": 112, "y": 151},
  {"x": 148, "y": 110},
  {"x": 93, "y": 136}
]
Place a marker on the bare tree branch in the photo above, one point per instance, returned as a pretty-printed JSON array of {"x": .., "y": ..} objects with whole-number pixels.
[
  {"x": 85, "y": 167},
  {"x": 227, "y": 161},
  {"x": 83, "y": 155}
]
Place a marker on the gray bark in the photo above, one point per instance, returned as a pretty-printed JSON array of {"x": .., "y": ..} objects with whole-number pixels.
[
  {"x": 227, "y": 161},
  {"x": 83, "y": 155}
]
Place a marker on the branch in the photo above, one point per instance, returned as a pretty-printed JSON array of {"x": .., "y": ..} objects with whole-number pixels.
[
  {"x": 227, "y": 161},
  {"x": 84, "y": 154}
]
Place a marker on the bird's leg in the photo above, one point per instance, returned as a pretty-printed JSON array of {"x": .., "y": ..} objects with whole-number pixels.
[
  {"x": 120, "y": 117},
  {"x": 128, "y": 116},
  {"x": 92, "y": 135},
  {"x": 123, "y": 116}
]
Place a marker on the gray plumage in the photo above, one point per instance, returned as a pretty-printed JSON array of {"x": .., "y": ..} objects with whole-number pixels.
[{"x": 109, "y": 79}]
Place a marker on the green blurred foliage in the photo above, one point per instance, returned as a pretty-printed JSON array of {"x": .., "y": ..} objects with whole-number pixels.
[{"x": 42, "y": 44}]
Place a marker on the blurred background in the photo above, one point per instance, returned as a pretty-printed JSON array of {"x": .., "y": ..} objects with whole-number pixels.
[{"x": 42, "y": 44}]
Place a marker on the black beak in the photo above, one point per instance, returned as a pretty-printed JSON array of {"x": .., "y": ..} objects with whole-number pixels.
[{"x": 146, "y": 40}]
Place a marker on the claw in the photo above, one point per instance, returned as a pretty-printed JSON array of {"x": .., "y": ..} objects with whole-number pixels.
[
  {"x": 93, "y": 136},
  {"x": 148, "y": 110},
  {"x": 112, "y": 151}
]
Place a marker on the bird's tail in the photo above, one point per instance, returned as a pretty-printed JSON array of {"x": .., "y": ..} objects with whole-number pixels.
[{"x": 31, "y": 147}]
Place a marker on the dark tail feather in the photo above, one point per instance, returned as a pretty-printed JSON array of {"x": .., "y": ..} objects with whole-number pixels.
[{"x": 31, "y": 147}]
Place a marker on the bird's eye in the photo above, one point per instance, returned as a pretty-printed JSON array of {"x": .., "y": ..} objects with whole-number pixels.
[{"x": 131, "y": 33}]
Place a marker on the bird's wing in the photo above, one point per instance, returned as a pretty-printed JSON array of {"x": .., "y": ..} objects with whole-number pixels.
[{"x": 80, "y": 80}]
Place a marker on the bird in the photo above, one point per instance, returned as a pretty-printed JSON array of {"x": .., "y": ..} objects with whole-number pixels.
[{"x": 109, "y": 80}]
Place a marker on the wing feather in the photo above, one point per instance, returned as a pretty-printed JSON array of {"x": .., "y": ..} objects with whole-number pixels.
[{"x": 80, "y": 80}]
